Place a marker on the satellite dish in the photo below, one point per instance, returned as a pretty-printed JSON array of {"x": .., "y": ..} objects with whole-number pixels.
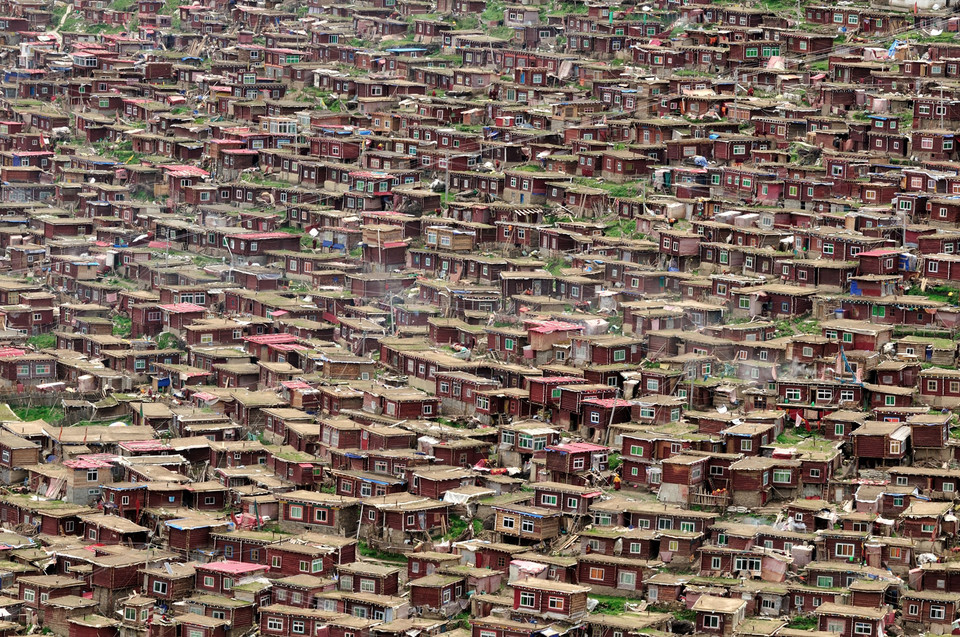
[{"x": 935, "y": 32}]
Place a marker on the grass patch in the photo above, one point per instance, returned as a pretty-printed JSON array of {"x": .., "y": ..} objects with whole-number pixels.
[
  {"x": 942, "y": 293},
  {"x": 608, "y": 605},
  {"x": 622, "y": 228},
  {"x": 122, "y": 326},
  {"x": 457, "y": 527},
  {"x": 43, "y": 341},
  {"x": 50, "y": 414},
  {"x": 367, "y": 551},
  {"x": 554, "y": 266},
  {"x": 793, "y": 436},
  {"x": 803, "y": 622},
  {"x": 799, "y": 325},
  {"x": 613, "y": 461},
  {"x": 168, "y": 341}
]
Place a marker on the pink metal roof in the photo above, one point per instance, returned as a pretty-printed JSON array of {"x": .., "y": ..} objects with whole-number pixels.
[
  {"x": 296, "y": 384},
  {"x": 548, "y": 327},
  {"x": 879, "y": 252},
  {"x": 607, "y": 403},
  {"x": 181, "y": 308},
  {"x": 289, "y": 347},
  {"x": 86, "y": 463},
  {"x": 233, "y": 567},
  {"x": 556, "y": 379},
  {"x": 11, "y": 351},
  {"x": 577, "y": 447},
  {"x": 263, "y": 235},
  {"x": 186, "y": 169},
  {"x": 270, "y": 339},
  {"x": 144, "y": 445}
]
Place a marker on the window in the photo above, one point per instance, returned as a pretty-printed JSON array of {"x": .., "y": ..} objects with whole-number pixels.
[
  {"x": 159, "y": 587},
  {"x": 274, "y": 623},
  {"x": 844, "y": 550},
  {"x": 297, "y": 626},
  {"x": 555, "y": 603},
  {"x": 712, "y": 621},
  {"x": 29, "y": 595},
  {"x": 781, "y": 476},
  {"x": 526, "y": 526},
  {"x": 825, "y": 581},
  {"x": 296, "y": 512},
  {"x": 276, "y": 561},
  {"x": 862, "y": 628},
  {"x": 746, "y": 445},
  {"x": 528, "y": 600},
  {"x": 937, "y": 612},
  {"x": 549, "y": 500},
  {"x": 508, "y": 522},
  {"x": 596, "y": 573}
]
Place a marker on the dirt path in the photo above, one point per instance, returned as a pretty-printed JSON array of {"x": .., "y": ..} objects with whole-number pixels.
[{"x": 63, "y": 19}]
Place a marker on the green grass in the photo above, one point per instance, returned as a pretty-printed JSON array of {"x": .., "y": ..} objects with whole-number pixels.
[
  {"x": 367, "y": 551},
  {"x": 609, "y": 605},
  {"x": 803, "y": 622},
  {"x": 50, "y": 414},
  {"x": 122, "y": 326},
  {"x": 799, "y": 325},
  {"x": 614, "y": 461},
  {"x": 623, "y": 228},
  {"x": 942, "y": 293},
  {"x": 43, "y": 341},
  {"x": 168, "y": 341},
  {"x": 791, "y": 437},
  {"x": 553, "y": 266},
  {"x": 457, "y": 526}
]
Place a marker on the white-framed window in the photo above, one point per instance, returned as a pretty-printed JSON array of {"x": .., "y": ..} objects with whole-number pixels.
[{"x": 844, "y": 550}]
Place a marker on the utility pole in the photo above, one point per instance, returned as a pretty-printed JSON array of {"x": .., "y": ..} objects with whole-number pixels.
[{"x": 942, "y": 106}]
